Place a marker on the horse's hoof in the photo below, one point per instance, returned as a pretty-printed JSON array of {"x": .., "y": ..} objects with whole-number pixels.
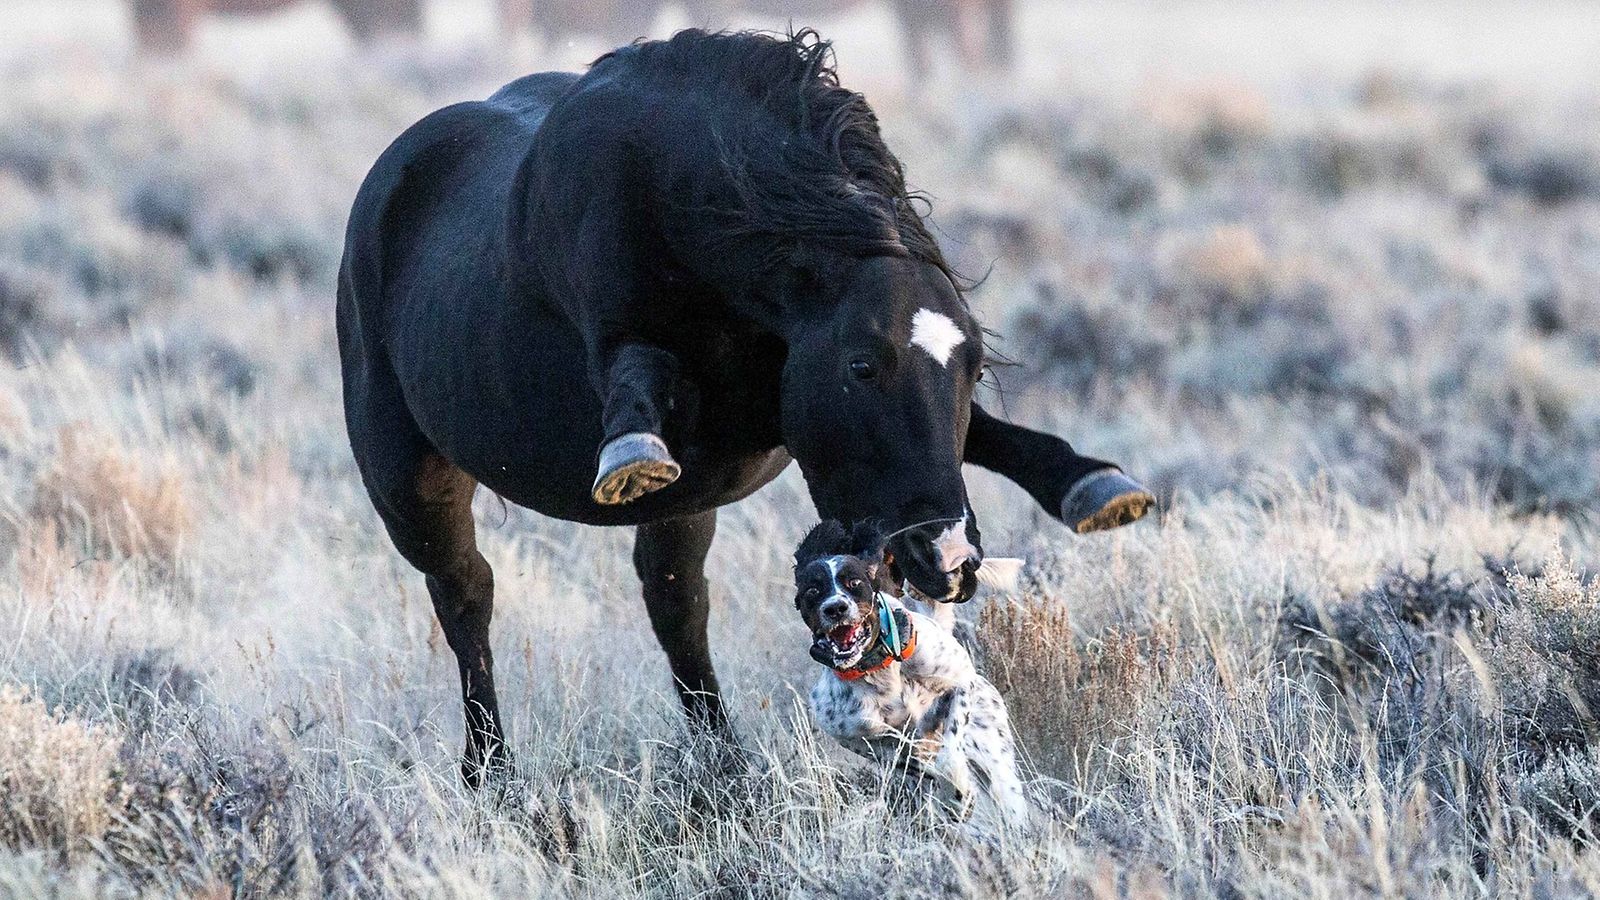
[
  {"x": 631, "y": 466},
  {"x": 1103, "y": 500}
]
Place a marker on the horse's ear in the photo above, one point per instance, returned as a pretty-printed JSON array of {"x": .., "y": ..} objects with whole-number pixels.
[{"x": 827, "y": 539}]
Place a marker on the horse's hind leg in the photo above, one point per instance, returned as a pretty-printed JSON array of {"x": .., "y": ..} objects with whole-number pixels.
[
  {"x": 670, "y": 558},
  {"x": 426, "y": 504}
]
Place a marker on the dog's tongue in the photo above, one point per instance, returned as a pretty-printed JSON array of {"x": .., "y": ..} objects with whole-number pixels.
[{"x": 843, "y": 635}]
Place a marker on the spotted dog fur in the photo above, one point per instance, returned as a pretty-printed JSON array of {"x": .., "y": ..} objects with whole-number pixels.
[{"x": 929, "y": 711}]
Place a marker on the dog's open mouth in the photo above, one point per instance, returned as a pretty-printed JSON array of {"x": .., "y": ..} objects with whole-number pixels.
[
  {"x": 842, "y": 645},
  {"x": 846, "y": 637}
]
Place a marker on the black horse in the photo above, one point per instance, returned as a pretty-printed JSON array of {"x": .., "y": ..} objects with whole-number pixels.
[{"x": 708, "y": 229}]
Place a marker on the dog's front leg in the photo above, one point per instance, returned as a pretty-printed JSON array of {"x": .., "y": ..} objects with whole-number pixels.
[
  {"x": 942, "y": 753},
  {"x": 900, "y": 751},
  {"x": 920, "y": 760},
  {"x": 889, "y": 746}
]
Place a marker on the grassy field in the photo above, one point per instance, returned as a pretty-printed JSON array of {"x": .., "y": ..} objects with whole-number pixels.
[{"x": 1344, "y": 316}]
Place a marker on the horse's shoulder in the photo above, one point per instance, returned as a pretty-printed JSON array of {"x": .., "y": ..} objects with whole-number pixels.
[
  {"x": 446, "y": 132},
  {"x": 470, "y": 136},
  {"x": 534, "y": 94}
]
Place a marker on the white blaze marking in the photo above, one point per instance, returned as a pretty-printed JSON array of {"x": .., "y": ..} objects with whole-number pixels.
[{"x": 937, "y": 334}]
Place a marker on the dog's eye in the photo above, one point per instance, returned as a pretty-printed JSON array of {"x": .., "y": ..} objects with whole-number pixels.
[
  {"x": 853, "y": 583},
  {"x": 812, "y": 592},
  {"x": 863, "y": 369}
]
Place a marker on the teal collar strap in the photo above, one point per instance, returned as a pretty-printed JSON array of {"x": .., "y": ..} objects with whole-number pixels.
[{"x": 896, "y": 641}]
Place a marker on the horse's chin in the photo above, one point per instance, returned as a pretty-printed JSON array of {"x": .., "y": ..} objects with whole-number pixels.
[{"x": 946, "y": 587}]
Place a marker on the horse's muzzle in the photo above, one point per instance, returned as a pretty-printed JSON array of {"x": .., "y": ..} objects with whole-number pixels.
[{"x": 936, "y": 569}]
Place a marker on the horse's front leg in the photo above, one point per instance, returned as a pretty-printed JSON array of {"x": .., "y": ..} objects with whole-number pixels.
[
  {"x": 670, "y": 557},
  {"x": 636, "y": 383},
  {"x": 611, "y": 293},
  {"x": 1086, "y": 494}
]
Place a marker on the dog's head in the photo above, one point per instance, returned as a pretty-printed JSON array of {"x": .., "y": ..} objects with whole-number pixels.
[{"x": 837, "y": 572}]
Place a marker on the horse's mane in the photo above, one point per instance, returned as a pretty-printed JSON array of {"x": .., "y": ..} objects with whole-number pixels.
[{"x": 807, "y": 165}]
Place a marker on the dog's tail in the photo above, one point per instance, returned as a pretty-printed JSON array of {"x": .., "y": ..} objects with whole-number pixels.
[{"x": 999, "y": 573}]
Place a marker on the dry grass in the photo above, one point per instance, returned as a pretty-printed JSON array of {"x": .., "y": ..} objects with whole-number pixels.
[
  {"x": 1349, "y": 332},
  {"x": 1071, "y": 697},
  {"x": 58, "y": 781},
  {"x": 106, "y": 502}
]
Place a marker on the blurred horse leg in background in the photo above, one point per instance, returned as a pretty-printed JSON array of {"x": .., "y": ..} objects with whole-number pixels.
[
  {"x": 614, "y": 22},
  {"x": 919, "y": 22},
  {"x": 1001, "y": 48},
  {"x": 515, "y": 16},
  {"x": 982, "y": 30},
  {"x": 167, "y": 26},
  {"x": 370, "y": 20}
]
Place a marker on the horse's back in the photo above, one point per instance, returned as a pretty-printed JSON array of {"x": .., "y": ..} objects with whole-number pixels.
[
  {"x": 532, "y": 95},
  {"x": 476, "y": 142},
  {"x": 439, "y": 184},
  {"x": 429, "y": 204}
]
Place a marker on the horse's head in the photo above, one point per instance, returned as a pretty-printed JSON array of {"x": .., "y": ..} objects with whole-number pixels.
[{"x": 877, "y": 394}]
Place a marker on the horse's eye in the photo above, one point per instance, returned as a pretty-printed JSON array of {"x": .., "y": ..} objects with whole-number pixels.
[{"x": 863, "y": 369}]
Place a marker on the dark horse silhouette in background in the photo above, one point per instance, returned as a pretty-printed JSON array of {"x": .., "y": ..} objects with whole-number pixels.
[
  {"x": 168, "y": 25},
  {"x": 983, "y": 30},
  {"x": 718, "y": 198}
]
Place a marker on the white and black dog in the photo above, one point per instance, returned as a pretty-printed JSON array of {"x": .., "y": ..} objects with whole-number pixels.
[{"x": 900, "y": 687}]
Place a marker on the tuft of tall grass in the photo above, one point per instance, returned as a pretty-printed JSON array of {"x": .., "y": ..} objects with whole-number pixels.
[
  {"x": 60, "y": 786},
  {"x": 104, "y": 501}
]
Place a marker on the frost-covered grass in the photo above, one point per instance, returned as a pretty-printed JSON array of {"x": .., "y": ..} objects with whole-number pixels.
[{"x": 1352, "y": 338}]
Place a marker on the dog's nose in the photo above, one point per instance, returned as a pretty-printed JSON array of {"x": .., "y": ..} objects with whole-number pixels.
[{"x": 835, "y": 609}]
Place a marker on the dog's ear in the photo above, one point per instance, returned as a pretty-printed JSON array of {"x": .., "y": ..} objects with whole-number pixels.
[
  {"x": 827, "y": 539},
  {"x": 866, "y": 541},
  {"x": 867, "y": 544}
]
